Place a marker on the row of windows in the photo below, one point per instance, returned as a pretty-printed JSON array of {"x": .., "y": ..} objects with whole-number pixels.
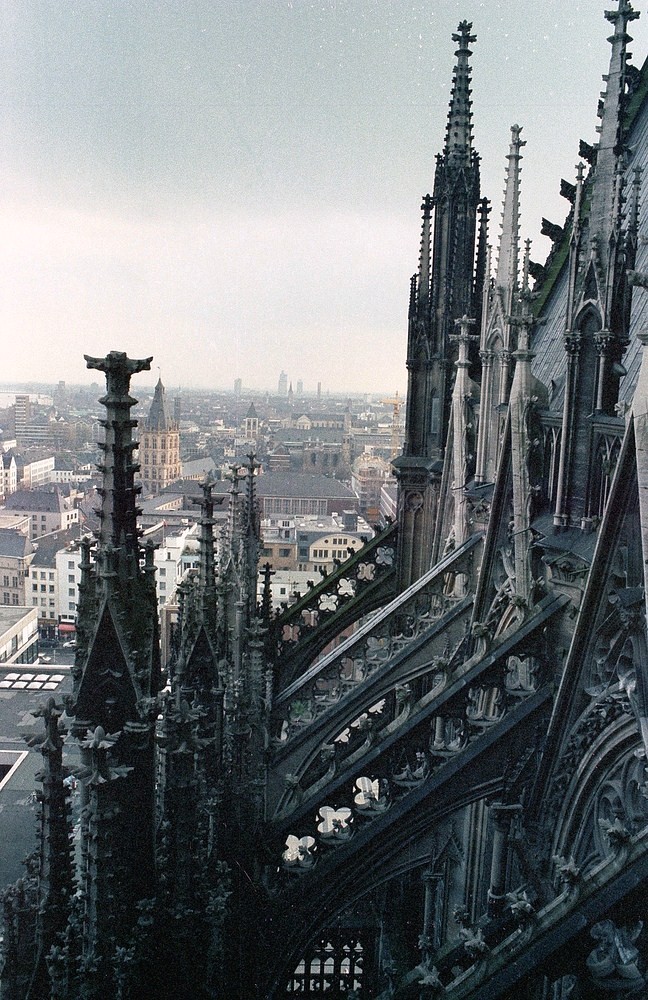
[
  {"x": 277, "y": 505},
  {"x": 9, "y": 598},
  {"x": 14, "y": 581},
  {"x": 148, "y": 442},
  {"x": 43, "y": 587},
  {"x": 43, "y": 602}
]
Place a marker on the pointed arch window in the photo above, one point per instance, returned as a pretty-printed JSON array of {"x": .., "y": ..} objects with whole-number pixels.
[
  {"x": 435, "y": 416},
  {"x": 551, "y": 464},
  {"x": 606, "y": 457},
  {"x": 495, "y": 347},
  {"x": 589, "y": 324}
]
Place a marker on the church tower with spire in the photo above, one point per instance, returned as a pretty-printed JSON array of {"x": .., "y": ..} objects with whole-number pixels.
[
  {"x": 441, "y": 292},
  {"x": 159, "y": 445}
]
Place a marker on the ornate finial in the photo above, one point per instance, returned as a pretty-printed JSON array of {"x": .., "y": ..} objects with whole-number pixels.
[
  {"x": 525, "y": 266},
  {"x": 423, "y": 283},
  {"x": 412, "y": 296},
  {"x": 458, "y": 142},
  {"x": 508, "y": 259},
  {"x": 464, "y": 338},
  {"x": 207, "y": 573},
  {"x": 605, "y": 198},
  {"x": 50, "y": 712},
  {"x": 632, "y": 224},
  {"x": 118, "y": 369},
  {"x": 481, "y": 261},
  {"x": 119, "y": 490},
  {"x": 266, "y": 598}
]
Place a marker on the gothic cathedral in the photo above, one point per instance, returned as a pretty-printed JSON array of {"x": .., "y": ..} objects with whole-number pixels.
[{"x": 452, "y": 801}]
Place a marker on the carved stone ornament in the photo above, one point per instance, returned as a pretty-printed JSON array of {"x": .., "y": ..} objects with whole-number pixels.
[
  {"x": 612, "y": 964},
  {"x": 413, "y": 502}
]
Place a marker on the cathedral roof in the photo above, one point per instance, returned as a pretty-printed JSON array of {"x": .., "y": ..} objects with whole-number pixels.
[{"x": 286, "y": 484}]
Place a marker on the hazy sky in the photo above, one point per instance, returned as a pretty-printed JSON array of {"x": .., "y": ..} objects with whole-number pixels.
[{"x": 234, "y": 186}]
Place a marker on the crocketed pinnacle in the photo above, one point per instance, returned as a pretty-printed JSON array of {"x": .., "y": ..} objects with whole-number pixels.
[
  {"x": 117, "y": 535},
  {"x": 509, "y": 248},
  {"x": 458, "y": 140},
  {"x": 423, "y": 281},
  {"x": 207, "y": 569},
  {"x": 481, "y": 262},
  {"x": 605, "y": 214}
]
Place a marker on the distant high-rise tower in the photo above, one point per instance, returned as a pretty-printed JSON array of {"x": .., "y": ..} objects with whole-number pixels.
[
  {"x": 238, "y": 387},
  {"x": 159, "y": 445},
  {"x": 177, "y": 409},
  {"x": 300, "y": 388},
  {"x": 22, "y": 412},
  {"x": 59, "y": 395},
  {"x": 319, "y": 390},
  {"x": 283, "y": 384}
]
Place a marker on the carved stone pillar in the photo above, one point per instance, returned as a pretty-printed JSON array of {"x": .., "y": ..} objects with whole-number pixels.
[
  {"x": 485, "y": 408},
  {"x": 505, "y": 374},
  {"x": 502, "y": 815},
  {"x": 430, "y": 938},
  {"x": 522, "y": 448},
  {"x": 603, "y": 341},
  {"x": 417, "y": 505},
  {"x": 572, "y": 346},
  {"x": 461, "y": 417},
  {"x": 640, "y": 418}
]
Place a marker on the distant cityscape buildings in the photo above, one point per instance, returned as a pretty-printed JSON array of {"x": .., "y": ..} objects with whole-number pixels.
[{"x": 320, "y": 469}]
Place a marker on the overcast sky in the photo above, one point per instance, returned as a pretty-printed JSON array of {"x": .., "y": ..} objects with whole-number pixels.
[{"x": 234, "y": 186}]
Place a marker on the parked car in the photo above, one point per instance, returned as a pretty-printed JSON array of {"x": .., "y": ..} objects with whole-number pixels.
[
  {"x": 70, "y": 644},
  {"x": 48, "y": 643}
]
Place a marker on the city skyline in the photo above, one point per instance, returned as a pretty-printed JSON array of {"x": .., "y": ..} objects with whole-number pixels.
[{"x": 231, "y": 186}]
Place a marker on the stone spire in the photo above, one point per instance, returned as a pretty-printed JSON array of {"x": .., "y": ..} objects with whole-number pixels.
[
  {"x": 118, "y": 515},
  {"x": 507, "y": 274},
  {"x": 497, "y": 336},
  {"x": 481, "y": 264},
  {"x": 159, "y": 416},
  {"x": 116, "y": 682},
  {"x": 605, "y": 211},
  {"x": 207, "y": 567},
  {"x": 441, "y": 293},
  {"x": 455, "y": 200},
  {"x": 418, "y": 344},
  {"x": 599, "y": 297},
  {"x": 458, "y": 139},
  {"x": 251, "y": 537},
  {"x": 423, "y": 275}
]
